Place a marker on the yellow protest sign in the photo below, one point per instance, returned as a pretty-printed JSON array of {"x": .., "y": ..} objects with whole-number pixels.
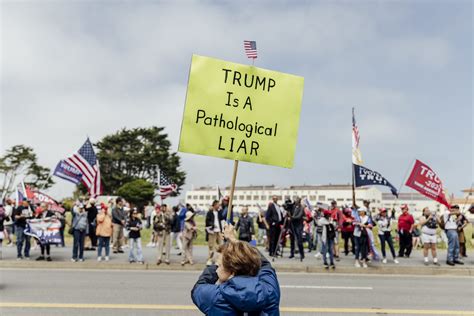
[{"x": 241, "y": 112}]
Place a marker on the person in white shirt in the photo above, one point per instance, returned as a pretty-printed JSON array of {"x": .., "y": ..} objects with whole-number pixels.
[
  {"x": 451, "y": 227},
  {"x": 385, "y": 234},
  {"x": 8, "y": 223}
]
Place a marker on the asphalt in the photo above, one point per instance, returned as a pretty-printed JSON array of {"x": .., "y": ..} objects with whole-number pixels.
[
  {"x": 407, "y": 266},
  {"x": 140, "y": 292}
]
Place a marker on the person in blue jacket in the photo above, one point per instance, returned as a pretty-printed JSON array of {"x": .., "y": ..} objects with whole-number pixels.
[{"x": 242, "y": 283}]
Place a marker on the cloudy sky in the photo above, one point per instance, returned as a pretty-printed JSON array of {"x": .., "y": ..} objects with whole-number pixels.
[{"x": 75, "y": 68}]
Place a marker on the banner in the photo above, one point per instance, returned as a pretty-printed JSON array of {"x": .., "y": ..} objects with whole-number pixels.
[
  {"x": 241, "y": 112},
  {"x": 364, "y": 176},
  {"x": 37, "y": 197},
  {"x": 67, "y": 172},
  {"x": 45, "y": 230},
  {"x": 424, "y": 180}
]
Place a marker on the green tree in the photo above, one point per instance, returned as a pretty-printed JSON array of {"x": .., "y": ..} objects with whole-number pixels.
[
  {"x": 20, "y": 164},
  {"x": 138, "y": 153},
  {"x": 138, "y": 192}
]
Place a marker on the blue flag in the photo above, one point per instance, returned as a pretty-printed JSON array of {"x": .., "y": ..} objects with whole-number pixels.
[
  {"x": 67, "y": 172},
  {"x": 364, "y": 176}
]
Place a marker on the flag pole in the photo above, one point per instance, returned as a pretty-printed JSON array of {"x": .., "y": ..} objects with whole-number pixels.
[
  {"x": 403, "y": 181},
  {"x": 232, "y": 188},
  {"x": 353, "y": 188}
]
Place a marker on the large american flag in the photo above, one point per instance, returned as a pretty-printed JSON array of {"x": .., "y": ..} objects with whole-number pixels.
[
  {"x": 86, "y": 161},
  {"x": 356, "y": 155},
  {"x": 166, "y": 186},
  {"x": 250, "y": 49}
]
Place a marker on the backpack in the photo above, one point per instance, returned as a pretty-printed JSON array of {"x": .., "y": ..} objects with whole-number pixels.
[
  {"x": 159, "y": 223},
  {"x": 331, "y": 232}
]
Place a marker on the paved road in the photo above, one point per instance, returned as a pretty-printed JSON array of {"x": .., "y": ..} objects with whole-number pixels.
[{"x": 167, "y": 293}]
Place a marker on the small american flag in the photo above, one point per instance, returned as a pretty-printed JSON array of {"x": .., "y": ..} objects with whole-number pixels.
[
  {"x": 250, "y": 49},
  {"x": 356, "y": 155},
  {"x": 166, "y": 186},
  {"x": 85, "y": 160}
]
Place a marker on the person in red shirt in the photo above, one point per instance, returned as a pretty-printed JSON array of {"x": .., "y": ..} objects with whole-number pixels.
[
  {"x": 405, "y": 228},
  {"x": 337, "y": 216},
  {"x": 347, "y": 231}
]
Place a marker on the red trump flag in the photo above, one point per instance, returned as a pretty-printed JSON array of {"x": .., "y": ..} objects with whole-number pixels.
[{"x": 424, "y": 180}]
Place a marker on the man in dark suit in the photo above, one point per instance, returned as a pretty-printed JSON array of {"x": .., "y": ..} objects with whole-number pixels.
[
  {"x": 213, "y": 231},
  {"x": 274, "y": 219}
]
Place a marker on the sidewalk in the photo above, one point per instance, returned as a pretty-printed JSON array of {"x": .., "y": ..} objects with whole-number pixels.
[{"x": 407, "y": 266}]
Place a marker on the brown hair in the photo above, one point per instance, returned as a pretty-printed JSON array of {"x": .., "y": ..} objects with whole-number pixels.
[{"x": 240, "y": 258}]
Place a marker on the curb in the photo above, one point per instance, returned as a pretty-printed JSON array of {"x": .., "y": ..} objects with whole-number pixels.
[{"x": 375, "y": 270}]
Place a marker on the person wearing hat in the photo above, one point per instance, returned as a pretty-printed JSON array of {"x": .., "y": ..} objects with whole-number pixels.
[
  {"x": 406, "y": 223},
  {"x": 450, "y": 218},
  {"x": 385, "y": 233},
  {"x": 327, "y": 238},
  {"x": 362, "y": 222},
  {"x": 188, "y": 236}
]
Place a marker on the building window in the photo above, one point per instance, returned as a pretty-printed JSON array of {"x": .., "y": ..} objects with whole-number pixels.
[
  {"x": 201, "y": 197},
  {"x": 312, "y": 197},
  {"x": 208, "y": 197},
  {"x": 340, "y": 200},
  {"x": 322, "y": 198},
  {"x": 263, "y": 198},
  {"x": 249, "y": 197},
  {"x": 255, "y": 197}
]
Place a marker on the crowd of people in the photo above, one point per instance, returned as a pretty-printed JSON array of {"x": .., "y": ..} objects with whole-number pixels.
[{"x": 329, "y": 232}]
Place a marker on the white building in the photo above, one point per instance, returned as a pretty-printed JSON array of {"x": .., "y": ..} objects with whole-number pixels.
[{"x": 254, "y": 196}]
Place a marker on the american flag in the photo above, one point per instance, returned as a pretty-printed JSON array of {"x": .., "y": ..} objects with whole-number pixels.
[
  {"x": 166, "y": 186},
  {"x": 356, "y": 155},
  {"x": 86, "y": 161},
  {"x": 250, "y": 49}
]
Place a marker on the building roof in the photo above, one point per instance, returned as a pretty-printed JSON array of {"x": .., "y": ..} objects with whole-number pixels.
[{"x": 470, "y": 190}]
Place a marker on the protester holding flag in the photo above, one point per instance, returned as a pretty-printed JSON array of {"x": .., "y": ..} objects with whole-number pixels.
[
  {"x": 21, "y": 214},
  {"x": 385, "y": 233},
  {"x": 362, "y": 223},
  {"x": 104, "y": 231},
  {"x": 42, "y": 213},
  {"x": 429, "y": 224},
  {"x": 79, "y": 226},
  {"x": 405, "y": 229}
]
